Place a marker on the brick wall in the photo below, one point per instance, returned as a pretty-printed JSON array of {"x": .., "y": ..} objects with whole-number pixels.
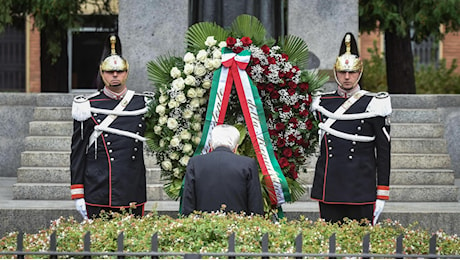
[{"x": 34, "y": 72}]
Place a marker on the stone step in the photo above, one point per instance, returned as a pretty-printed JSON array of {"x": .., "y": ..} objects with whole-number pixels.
[
  {"x": 398, "y": 144},
  {"x": 419, "y": 130},
  {"x": 53, "y": 113},
  {"x": 62, "y": 175},
  {"x": 398, "y": 160},
  {"x": 408, "y": 115},
  {"x": 398, "y": 193},
  {"x": 153, "y": 175},
  {"x": 51, "y": 128}
]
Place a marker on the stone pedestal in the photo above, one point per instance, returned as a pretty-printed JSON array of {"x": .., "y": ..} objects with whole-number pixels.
[{"x": 149, "y": 29}]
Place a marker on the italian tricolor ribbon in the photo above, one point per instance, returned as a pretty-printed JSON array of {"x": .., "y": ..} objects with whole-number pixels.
[{"x": 232, "y": 72}]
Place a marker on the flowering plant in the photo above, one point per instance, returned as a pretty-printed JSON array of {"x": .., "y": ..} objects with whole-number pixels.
[{"x": 176, "y": 118}]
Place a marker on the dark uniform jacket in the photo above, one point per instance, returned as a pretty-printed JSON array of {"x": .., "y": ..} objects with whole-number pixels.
[
  {"x": 114, "y": 175},
  {"x": 222, "y": 177},
  {"x": 353, "y": 172}
]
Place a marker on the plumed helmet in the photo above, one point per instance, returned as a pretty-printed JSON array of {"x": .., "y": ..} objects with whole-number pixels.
[
  {"x": 114, "y": 61},
  {"x": 348, "y": 59}
]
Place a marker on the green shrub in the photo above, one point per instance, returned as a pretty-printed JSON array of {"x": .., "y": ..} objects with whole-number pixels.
[
  {"x": 209, "y": 232},
  {"x": 429, "y": 79}
]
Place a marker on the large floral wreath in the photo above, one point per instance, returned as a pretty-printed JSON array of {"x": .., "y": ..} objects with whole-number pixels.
[{"x": 182, "y": 85}]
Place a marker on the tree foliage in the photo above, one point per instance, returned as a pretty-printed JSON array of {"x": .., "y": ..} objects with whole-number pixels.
[
  {"x": 405, "y": 21},
  {"x": 51, "y": 17}
]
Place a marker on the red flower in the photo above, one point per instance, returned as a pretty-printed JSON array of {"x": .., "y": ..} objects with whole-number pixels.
[
  {"x": 271, "y": 60},
  {"x": 309, "y": 124},
  {"x": 292, "y": 138},
  {"x": 292, "y": 85},
  {"x": 294, "y": 121},
  {"x": 231, "y": 42},
  {"x": 270, "y": 87},
  {"x": 283, "y": 162},
  {"x": 274, "y": 95},
  {"x": 280, "y": 143},
  {"x": 303, "y": 113},
  {"x": 303, "y": 86},
  {"x": 287, "y": 152},
  {"x": 280, "y": 127},
  {"x": 291, "y": 91},
  {"x": 265, "y": 49},
  {"x": 238, "y": 49},
  {"x": 246, "y": 41},
  {"x": 286, "y": 108},
  {"x": 296, "y": 105},
  {"x": 255, "y": 61},
  {"x": 285, "y": 56}
]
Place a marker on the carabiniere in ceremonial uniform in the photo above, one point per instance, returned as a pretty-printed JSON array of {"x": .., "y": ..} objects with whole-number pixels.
[
  {"x": 107, "y": 161},
  {"x": 353, "y": 167}
]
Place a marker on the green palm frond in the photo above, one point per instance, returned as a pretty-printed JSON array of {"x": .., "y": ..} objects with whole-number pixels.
[
  {"x": 158, "y": 70},
  {"x": 196, "y": 35},
  {"x": 315, "y": 79},
  {"x": 250, "y": 26},
  {"x": 172, "y": 188},
  {"x": 296, "y": 188},
  {"x": 296, "y": 48}
]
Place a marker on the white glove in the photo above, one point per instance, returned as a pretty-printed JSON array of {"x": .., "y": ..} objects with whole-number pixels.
[
  {"x": 81, "y": 207},
  {"x": 379, "y": 204}
]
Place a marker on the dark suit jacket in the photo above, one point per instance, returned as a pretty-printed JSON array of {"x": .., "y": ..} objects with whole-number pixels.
[{"x": 222, "y": 177}]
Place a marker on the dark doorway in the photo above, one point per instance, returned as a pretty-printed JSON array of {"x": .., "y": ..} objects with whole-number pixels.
[{"x": 12, "y": 58}]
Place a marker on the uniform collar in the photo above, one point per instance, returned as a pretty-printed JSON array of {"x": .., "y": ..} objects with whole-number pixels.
[
  {"x": 115, "y": 95},
  {"x": 348, "y": 93},
  {"x": 223, "y": 148}
]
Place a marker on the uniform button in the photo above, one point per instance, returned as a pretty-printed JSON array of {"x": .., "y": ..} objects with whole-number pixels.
[
  {"x": 99, "y": 120},
  {"x": 359, "y": 128},
  {"x": 354, "y": 142},
  {"x": 350, "y": 157},
  {"x": 362, "y": 121},
  {"x": 352, "y": 150},
  {"x": 109, "y": 143},
  {"x": 329, "y": 140},
  {"x": 136, "y": 141},
  {"x": 112, "y": 159},
  {"x": 135, "y": 149},
  {"x": 94, "y": 114},
  {"x": 133, "y": 157},
  {"x": 140, "y": 125},
  {"x": 330, "y": 148},
  {"x": 110, "y": 151},
  {"x": 324, "y": 119},
  {"x": 105, "y": 135},
  {"x": 137, "y": 133},
  {"x": 143, "y": 118},
  {"x": 330, "y": 155}
]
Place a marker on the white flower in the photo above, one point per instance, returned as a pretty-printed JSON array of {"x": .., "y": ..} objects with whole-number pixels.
[
  {"x": 189, "y": 68},
  {"x": 217, "y": 54},
  {"x": 189, "y": 57},
  {"x": 200, "y": 92},
  {"x": 203, "y": 101},
  {"x": 176, "y": 173},
  {"x": 202, "y": 55},
  {"x": 196, "y": 126},
  {"x": 210, "y": 41},
  {"x": 190, "y": 80},
  {"x": 187, "y": 148},
  {"x": 216, "y": 63},
  {"x": 184, "y": 160},
  {"x": 162, "y": 120},
  {"x": 178, "y": 84},
  {"x": 195, "y": 102},
  {"x": 175, "y": 141},
  {"x": 197, "y": 117},
  {"x": 181, "y": 98},
  {"x": 160, "y": 110},
  {"x": 162, "y": 143},
  {"x": 197, "y": 140},
  {"x": 192, "y": 93},
  {"x": 163, "y": 99},
  {"x": 173, "y": 104},
  {"x": 187, "y": 113},
  {"x": 167, "y": 165},
  {"x": 200, "y": 70},
  {"x": 185, "y": 135},
  {"x": 157, "y": 129},
  {"x": 173, "y": 156},
  {"x": 222, "y": 44},
  {"x": 208, "y": 64},
  {"x": 172, "y": 123},
  {"x": 175, "y": 73},
  {"x": 206, "y": 84}
]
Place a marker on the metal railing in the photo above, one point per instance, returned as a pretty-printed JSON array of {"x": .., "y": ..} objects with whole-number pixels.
[{"x": 52, "y": 253}]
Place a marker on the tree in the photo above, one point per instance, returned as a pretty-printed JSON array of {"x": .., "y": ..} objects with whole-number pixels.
[
  {"x": 404, "y": 21},
  {"x": 52, "y": 17}
]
